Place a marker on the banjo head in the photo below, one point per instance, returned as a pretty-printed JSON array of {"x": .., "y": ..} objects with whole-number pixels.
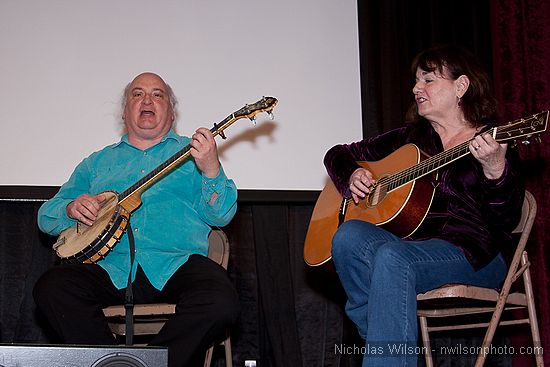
[{"x": 82, "y": 242}]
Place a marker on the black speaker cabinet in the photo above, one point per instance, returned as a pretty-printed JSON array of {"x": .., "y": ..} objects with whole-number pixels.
[{"x": 22, "y": 355}]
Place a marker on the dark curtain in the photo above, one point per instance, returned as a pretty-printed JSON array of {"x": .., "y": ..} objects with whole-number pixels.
[
  {"x": 22, "y": 261},
  {"x": 521, "y": 47},
  {"x": 292, "y": 315}
]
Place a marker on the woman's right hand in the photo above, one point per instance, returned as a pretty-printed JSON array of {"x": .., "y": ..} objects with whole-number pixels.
[
  {"x": 361, "y": 183},
  {"x": 85, "y": 208}
]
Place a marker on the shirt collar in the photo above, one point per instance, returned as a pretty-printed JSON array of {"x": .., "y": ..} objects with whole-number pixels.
[{"x": 170, "y": 135}]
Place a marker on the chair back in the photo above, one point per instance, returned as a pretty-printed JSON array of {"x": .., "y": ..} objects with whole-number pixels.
[
  {"x": 528, "y": 214},
  {"x": 218, "y": 247}
]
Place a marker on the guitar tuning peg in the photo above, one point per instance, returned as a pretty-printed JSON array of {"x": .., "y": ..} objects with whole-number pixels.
[
  {"x": 538, "y": 139},
  {"x": 270, "y": 114},
  {"x": 253, "y": 119},
  {"x": 526, "y": 142}
]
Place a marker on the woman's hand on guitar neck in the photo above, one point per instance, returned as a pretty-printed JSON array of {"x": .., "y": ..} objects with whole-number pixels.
[
  {"x": 491, "y": 155},
  {"x": 361, "y": 183},
  {"x": 85, "y": 208}
]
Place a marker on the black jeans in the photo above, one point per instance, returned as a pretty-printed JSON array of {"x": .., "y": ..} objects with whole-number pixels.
[{"x": 72, "y": 298}]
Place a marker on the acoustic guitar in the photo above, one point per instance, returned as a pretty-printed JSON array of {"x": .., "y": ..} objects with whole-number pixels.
[
  {"x": 403, "y": 193},
  {"x": 89, "y": 244}
]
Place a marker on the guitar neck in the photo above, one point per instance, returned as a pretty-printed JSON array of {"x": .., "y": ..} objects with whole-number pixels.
[
  {"x": 525, "y": 127},
  {"x": 427, "y": 166}
]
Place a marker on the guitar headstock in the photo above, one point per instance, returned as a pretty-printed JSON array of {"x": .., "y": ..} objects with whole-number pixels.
[{"x": 525, "y": 128}]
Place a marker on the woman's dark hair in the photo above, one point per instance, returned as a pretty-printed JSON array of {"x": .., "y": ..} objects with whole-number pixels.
[{"x": 478, "y": 103}]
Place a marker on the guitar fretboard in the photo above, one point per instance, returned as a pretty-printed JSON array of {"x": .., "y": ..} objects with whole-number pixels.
[
  {"x": 527, "y": 127},
  {"x": 425, "y": 167}
]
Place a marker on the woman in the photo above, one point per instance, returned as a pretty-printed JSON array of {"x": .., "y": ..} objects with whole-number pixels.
[{"x": 477, "y": 204}]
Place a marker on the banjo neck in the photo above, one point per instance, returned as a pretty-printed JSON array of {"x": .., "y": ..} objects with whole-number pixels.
[{"x": 130, "y": 199}]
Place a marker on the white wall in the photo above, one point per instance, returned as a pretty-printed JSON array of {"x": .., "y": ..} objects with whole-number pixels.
[{"x": 64, "y": 64}]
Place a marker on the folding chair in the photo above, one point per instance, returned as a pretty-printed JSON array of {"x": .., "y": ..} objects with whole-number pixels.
[
  {"x": 459, "y": 300},
  {"x": 150, "y": 318}
]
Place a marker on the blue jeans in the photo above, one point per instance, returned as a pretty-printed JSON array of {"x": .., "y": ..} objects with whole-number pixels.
[{"x": 382, "y": 274}]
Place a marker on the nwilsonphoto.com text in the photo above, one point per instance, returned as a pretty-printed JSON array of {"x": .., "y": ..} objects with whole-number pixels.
[{"x": 389, "y": 349}]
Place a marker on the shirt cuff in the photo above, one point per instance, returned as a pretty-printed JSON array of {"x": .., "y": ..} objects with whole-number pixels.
[
  {"x": 497, "y": 182},
  {"x": 56, "y": 220},
  {"x": 213, "y": 185}
]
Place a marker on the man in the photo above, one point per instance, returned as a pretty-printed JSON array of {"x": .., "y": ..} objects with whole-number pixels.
[{"x": 170, "y": 230}]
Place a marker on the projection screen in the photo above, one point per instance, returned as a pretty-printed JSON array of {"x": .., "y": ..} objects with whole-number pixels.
[{"x": 64, "y": 65}]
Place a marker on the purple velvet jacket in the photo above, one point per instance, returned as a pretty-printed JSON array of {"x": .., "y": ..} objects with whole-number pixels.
[{"x": 470, "y": 211}]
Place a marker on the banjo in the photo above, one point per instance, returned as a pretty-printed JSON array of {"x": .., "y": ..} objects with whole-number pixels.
[{"x": 89, "y": 244}]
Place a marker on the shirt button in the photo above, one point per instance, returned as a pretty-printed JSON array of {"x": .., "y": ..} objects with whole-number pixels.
[
  {"x": 142, "y": 171},
  {"x": 144, "y": 153},
  {"x": 136, "y": 229}
]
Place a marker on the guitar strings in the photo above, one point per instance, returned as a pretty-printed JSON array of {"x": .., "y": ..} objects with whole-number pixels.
[{"x": 435, "y": 162}]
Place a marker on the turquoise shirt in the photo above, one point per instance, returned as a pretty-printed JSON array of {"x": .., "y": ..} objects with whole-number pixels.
[{"x": 174, "y": 219}]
